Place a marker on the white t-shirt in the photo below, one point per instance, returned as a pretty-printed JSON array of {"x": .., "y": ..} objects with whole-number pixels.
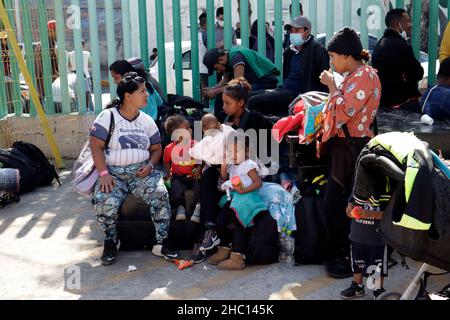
[
  {"x": 73, "y": 85},
  {"x": 131, "y": 139},
  {"x": 202, "y": 49},
  {"x": 242, "y": 171},
  {"x": 86, "y": 61}
]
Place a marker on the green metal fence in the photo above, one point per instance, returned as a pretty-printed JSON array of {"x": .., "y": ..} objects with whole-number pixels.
[{"x": 360, "y": 14}]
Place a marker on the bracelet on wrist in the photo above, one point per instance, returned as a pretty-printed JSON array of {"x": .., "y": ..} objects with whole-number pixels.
[{"x": 104, "y": 173}]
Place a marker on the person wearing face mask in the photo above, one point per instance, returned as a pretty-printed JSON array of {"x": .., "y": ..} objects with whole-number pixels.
[
  {"x": 398, "y": 68},
  {"x": 220, "y": 25},
  {"x": 304, "y": 61}
]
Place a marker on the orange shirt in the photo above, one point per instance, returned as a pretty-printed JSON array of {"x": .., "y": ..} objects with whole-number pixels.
[{"x": 355, "y": 103}]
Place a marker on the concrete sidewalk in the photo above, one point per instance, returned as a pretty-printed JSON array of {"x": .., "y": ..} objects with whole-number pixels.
[{"x": 53, "y": 232}]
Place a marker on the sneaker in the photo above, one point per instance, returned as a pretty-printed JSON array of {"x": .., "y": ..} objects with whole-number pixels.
[
  {"x": 196, "y": 215},
  {"x": 198, "y": 256},
  {"x": 181, "y": 214},
  {"x": 354, "y": 291},
  {"x": 110, "y": 250},
  {"x": 378, "y": 292},
  {"x": 165, "y": 252},
  {"x": 210, "y": 241}
]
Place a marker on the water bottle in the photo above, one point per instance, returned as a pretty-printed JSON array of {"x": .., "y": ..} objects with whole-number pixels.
[
  {"x": 290, "y": 248},
  {"x": 283, "y": 255}
]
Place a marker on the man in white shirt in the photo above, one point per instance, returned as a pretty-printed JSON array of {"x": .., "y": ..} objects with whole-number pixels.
[{"x": 86, "y": 63}]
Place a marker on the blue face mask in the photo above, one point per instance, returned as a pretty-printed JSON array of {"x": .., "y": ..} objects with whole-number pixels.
[{"x": 297, "y": 39}]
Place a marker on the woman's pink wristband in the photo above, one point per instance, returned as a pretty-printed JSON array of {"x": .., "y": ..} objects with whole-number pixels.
[{"x": 104, "y": 173}]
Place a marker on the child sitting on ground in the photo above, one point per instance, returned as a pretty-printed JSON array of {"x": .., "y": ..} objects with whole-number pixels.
[
  {"x": 182, "y": 170},
  {"x": 245, "y": 205}
]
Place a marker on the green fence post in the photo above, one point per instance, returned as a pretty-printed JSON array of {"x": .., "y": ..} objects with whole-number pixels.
[
  {"x": 433, "y": 41},
  {"x": 313, "y": 17},
  {"x": 15, "y": 84},
  {"x": 295, "y": 8},
  {"x": 79, "y": 63},
  {"x": 364, "y": 28},
  {"x": 195, "y": 61},
  {"x": 159, "y": 8},
  {"x": 143, "y": 32},
  {"x": 176, "y": 16},
  {"x": 46, "y": 58},
  {"x": 3, "y": 96},
  {"x": 330, "y": 19},
  {"x": 95, "y": 55},
  {"x": 245, "y": 23},
  {"x": 400, "y": 4},
  {"x": 347, "y": 13},
  {"x": 211, "y": 29},
  {"x": 416, "y": 32},
  {"x": 111, "y": 43},
  {"x": 29, "y": 50},
  {"x": 228, "y": 28},
  {"x": 62, "y": 57},
  {"x": 262, "y": 27},
  {"x": 279, "y": 38},
  {"x": 126, "y": 27}
]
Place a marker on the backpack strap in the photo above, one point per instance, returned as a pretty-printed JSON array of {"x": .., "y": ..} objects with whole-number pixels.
[
  {"x": 112, "y": 127},
  {"x": 428, "y": 96}
]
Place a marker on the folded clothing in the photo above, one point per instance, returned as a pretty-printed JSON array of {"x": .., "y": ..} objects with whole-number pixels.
[{"x": 286, "y": 125}]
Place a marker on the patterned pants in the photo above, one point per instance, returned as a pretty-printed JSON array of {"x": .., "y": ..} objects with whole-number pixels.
[{"x": 150, "y": 189}]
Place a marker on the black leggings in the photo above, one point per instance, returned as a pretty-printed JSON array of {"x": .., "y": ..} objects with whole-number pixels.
[
  {"x": 210, "y": 197},
  {"x": 231, "y": 232}
]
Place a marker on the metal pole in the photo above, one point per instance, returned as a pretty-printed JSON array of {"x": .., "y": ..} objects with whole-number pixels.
[
  {"x": 347, "y": 13},
  {"x": 313, "y": 16},
  {"x": 195, "y": 62},
  {"x": 364, "y": 29},
  {"x": 160, "y": 37},
  {"x": 416, "y": 32},
  {"x": 433, "y": 41},
  {"x": 176, "y": 13},
  {"x": 111, "y": 42},
  {"x": 126, "y": 27},
  {"x": 95, "y": 55},
  {"x": 262, "y": 27},
  {"x": 228, "y": 29},
  {"x": 330, "y": 19},
  {"x": 400, "y": 4},
  {"x": 295, "y": 8},
  {"x": 143, "y": 32},
  {"x": 81, "y": 83},
  {"x": 279, "y": 38},
  {"x": 245, "y": 23}
]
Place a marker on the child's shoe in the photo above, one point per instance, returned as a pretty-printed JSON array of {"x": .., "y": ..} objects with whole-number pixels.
[
  {"x": 181, "y": 214},
  {"x": 221, "y": 255},
  {"x": 354, "y": 291},
  {"x": 236, "y": 262},
  {"x": 196, "y": 215}
]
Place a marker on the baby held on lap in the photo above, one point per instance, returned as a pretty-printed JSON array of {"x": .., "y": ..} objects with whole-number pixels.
[{"x": 211, "y": 148}]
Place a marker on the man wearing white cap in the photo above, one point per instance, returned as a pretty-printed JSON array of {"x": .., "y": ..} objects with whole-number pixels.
[{"x": 304, "y": 61}]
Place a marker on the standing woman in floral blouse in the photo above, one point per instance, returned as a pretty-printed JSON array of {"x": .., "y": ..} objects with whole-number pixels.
[{"x": 348, "y": 118}]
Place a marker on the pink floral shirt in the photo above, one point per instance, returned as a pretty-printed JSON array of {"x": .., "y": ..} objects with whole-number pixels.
[{"x": 355, "y": 103}]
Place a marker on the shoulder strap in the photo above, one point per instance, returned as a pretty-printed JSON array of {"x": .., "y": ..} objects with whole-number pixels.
[
  {"x": 112, "y": 127},
  {"x": 428, "y": 96}
]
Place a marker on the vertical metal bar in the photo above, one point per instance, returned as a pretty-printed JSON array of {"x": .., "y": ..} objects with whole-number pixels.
[
  {"x": 245, "y": 23},
  {"x": 195, "y": 62},
  {"x": 160, "y": 39},
  {"x": 46, "y": 58},
  {"x": 347, "y": 13},
  {"x": 81, "y": 83},
  {"x": 279, "y": 38},
  {"x": 3, "y": 95},
  {"x": 228, "y": 28},
  {"x": 364, "y": 28},
  {"x": 176, "y": 16},
  {"x": 29, "y": 51},
  {"x": 400, "y": 4},
  {"x": 211, "y": 29},
  {"x": 313, "y": 16},
  {"x": 433, "y": 41},
  {"x": 111, "y": 42},
  {"x": 15, "y": 84},
  {"x": 416, "y": 32},
  {"x": 126, "y": 27},
  {"x": 95, "y": 55},
  {"x": 143, "y": 32},
  {"x": 295, "y": 8},
  {"x": 62, "y": 56},
  {"x": 330, "y": 19},
  {"x": 262, "y": 27}
]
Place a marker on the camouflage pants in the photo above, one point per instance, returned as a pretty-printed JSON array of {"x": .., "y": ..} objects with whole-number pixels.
[{"x": 150, "y": 189}]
